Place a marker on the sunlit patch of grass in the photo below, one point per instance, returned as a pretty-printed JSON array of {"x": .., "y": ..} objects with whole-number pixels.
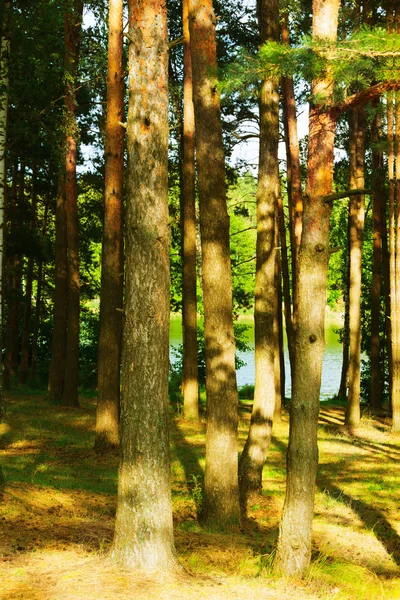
[
  {"x": 358, "y": 546},
  {"x": 60, "y": 501},
  {"x": 344, "y": 581},
  {"x": 4, "y": 428},
  {"x": 217, "y": 554}
]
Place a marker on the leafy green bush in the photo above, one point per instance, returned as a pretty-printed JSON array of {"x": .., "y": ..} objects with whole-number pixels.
[{"x": 246, "y": 392}]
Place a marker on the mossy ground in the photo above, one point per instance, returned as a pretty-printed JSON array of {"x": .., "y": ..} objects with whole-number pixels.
[{"x": 57, "y": 513}]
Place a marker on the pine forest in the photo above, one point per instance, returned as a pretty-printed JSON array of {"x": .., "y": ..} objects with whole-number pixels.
[{"x": 200, "y": 299}]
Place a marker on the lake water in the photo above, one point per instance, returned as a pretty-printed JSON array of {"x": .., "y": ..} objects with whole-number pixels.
[{"x": 332, "y": 365}]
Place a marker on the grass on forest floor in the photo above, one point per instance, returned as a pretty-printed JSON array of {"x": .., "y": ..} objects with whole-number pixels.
[{"x": 57, "y": 514}]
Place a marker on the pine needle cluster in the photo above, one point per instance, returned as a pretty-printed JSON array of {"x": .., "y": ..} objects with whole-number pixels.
[{"x": 367, "y": 56}]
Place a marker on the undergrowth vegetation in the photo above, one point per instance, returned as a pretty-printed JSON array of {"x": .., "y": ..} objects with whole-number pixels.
[{"x": 58, "y": 508}]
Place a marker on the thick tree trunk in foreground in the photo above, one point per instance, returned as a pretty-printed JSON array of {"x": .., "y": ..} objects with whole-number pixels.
[
  {"x": 110, "y": 337},
  {"x": 221, "y": 497},
  {"x": 72, "y": 27},
  {"x": 356, "y": 228},
  {"x": 190, "y": 383},
  {"x": 265, "y": 308},
  {"x": 294, "y": 543},
  {"x": 143, "y": 530},
  {"x": 59, "y": 338}
]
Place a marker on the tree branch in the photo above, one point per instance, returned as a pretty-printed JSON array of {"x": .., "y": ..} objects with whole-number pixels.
[
  {"x": 128, "y": 37},
  {"x": 243, "y": 230},
  {"x": 365, "y": 96},
  {"x": 247, "y": 136},
  {"x": 176, "y": 42},
  {"x": 340, "y": 195},
  {"x": 242, "y": 262}
]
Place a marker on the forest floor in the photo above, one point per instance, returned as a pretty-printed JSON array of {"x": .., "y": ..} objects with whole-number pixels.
[{"x": 57, "y": 514}]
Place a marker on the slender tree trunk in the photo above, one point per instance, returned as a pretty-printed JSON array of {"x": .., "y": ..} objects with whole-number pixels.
[
  {"x": 190, "y": 383},
  {"x": 26, "y": 327},
  {"x": 379, "y": 243},
  {"x": 279, "y": 359},
  {"x": 294, "y": 543},
  {"x": 265, "y": 309},
  {"x": 110, "y": 338},
  {"x": 59, "y": 338},
  {"x": 344, "y": 378},
  {"x": 221, "y": 497},
  {"x": 396, "y": 308},
  {"x": 293, "y": 160},
  {"x": 25, "y": 342},
  {"x": 392, "y": 230},
  {"x": 15, "y": 266},
  {"x": 387, "y": 342},
  {"x": 392, "y": 131},
  {"x": 356, "y": 229},
  {"x": 8, "y": 272},
  {"x": 36, "y": 325},
  {"x": 72, "y": 29},
  {"x": 38, "y": 303},
  {"x": 4, "y": 83},
  {"x": 395, "y": 286},
  {"x": 286, "y": 284},
  {"x": 143, "y": 530}
]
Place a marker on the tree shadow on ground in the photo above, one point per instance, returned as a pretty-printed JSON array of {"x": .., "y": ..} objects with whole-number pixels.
[
  {"x": 372, "y": 518},
  {"x": 186, "y": 453},
  {"x": 340, "y": 435}
]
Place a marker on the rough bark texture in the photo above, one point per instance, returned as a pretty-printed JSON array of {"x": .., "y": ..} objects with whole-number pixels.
[
  {"x": 143, "y": 530},
  {"x": 58, "y": 346},
  {"x": 190, "y": 383},
  {"x": 356, "y": 228},
  {"x": 294, "y": 543},
  {"x": 378, "y": 182},
  {"x": 110, "y": 337},
  {"x": 72, "y": 28},
  {"x": 221, "y": 497},
  {"x": 265, "y": 308}
]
